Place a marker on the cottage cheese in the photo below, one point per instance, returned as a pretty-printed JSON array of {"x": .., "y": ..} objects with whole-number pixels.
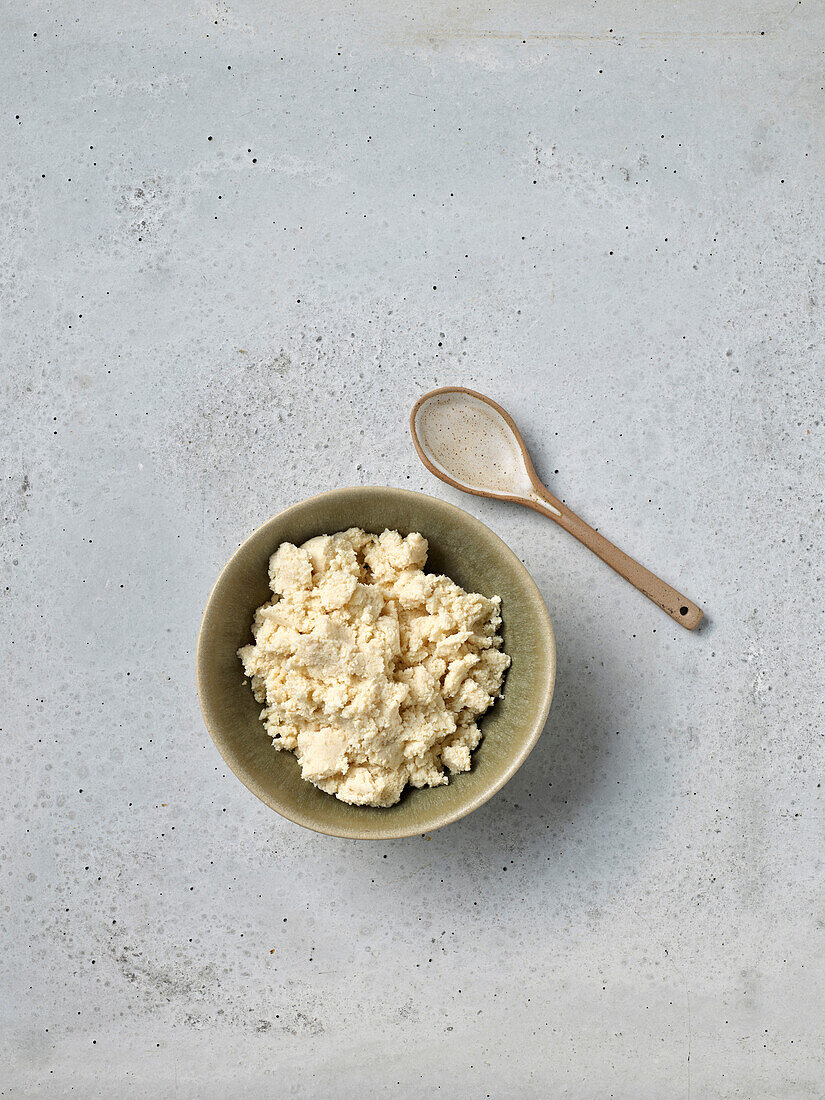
[{"x": 370, "y": 670}]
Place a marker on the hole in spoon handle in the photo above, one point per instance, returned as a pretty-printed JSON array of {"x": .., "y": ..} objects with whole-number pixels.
[{"x": 687, "y": 614}]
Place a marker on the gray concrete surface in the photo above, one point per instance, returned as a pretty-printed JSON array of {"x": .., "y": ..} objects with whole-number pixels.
[{"x": 237, "y": 244}]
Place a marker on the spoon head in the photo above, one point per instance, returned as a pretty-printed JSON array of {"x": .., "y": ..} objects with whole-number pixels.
[{"x": 470, "y": 442}]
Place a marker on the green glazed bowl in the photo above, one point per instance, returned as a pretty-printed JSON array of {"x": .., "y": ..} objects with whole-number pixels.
[{"x": 462, "y": 548}]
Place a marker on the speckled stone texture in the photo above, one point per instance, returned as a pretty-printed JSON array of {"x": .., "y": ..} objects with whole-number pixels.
[{"x": 237, "y": 244}]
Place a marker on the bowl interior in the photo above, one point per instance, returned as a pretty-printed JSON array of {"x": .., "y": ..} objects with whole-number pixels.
[{"x": 460, "y": 546}]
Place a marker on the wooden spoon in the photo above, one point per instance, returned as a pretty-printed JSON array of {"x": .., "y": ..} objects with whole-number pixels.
[{"x": 470, "y": 442}]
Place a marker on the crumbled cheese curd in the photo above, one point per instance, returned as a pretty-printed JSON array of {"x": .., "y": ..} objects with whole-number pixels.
[{"x": 370, "y": 670}]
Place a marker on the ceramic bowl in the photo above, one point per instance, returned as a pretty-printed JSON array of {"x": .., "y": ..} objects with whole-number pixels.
[{"x": 462, "y": 548}]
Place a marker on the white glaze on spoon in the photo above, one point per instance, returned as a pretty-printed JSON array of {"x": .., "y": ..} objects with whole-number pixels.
[{"x": 470, "y": 442}]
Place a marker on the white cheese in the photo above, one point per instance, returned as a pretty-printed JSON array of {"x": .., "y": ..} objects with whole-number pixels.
[{"x": 370, "y": 670}]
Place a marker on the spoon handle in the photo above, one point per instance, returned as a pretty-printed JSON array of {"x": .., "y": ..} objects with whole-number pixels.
[{"x": 673, "y": 603}]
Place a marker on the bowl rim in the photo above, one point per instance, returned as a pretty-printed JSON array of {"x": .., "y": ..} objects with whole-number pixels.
[{"x": 450, "y": 816}]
